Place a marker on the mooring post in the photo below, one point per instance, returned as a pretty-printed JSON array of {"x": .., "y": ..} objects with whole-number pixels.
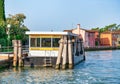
[
  {"x": 19, "y": 53},
  {"x": 64, "y": 65},
  {"x": 59, "y": 54},
  {"x": 79, "y": 47},
  {"x": 15, "y": 53},
  {"x": 83, "y": 51},
  {"x": 70, "y": 54}
]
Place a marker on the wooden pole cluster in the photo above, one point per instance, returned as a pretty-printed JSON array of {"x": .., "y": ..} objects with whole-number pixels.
[
  {"x": 17, "y": 59},
  {"x": 65, "y": 56}
]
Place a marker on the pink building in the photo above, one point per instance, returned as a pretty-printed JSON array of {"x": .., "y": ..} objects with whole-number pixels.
[{"x": 88, "y": 36}]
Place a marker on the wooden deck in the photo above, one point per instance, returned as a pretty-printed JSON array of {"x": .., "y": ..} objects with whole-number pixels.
[{"x": 5, "y": 56}]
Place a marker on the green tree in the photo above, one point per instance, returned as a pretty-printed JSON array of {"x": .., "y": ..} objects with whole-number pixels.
[
  {"x": 2, "y": 12},
  {"x": 18, "y": 29},
  {"x": 95, "y": 28},
  {"x": 110, "y": 27},
  {"x": 3, "y": 36},
  {"x": 117, "y": 27}
]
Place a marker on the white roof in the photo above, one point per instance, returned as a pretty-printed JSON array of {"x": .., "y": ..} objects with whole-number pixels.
[{"x": 50, "y": 33}]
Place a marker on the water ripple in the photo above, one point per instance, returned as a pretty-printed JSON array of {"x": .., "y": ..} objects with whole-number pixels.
[{"x": 100, "y": 67}]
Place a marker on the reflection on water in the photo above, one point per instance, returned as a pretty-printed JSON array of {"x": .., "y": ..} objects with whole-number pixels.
[{"x": 100, "y": 67}]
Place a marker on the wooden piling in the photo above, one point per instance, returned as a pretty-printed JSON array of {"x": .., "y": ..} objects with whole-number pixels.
[
  {"x": 59, "y": 54},
  {"x": 15, "y": 53},
  {"x": 83, "y": 51},
  {"x": 64, "y": 64},
  {"x": 19, "y": 54},
  {"x": 79, "y": 48},
  {"x": 70, "y": 53}
]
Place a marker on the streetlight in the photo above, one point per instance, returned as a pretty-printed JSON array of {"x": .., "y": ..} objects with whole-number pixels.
[{"x": 8, "y": 33}]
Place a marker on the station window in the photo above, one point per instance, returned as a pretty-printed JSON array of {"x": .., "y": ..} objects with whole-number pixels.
[
  {"x": 35, "y": 42},
  {"x": 118, "y": 42},
  {"x": 45, "y": 42},
  {"x": 38, "y": 42},
  {"x": 55, "y": 42}
]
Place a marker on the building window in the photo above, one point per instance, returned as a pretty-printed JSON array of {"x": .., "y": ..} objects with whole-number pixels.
[
  {"x": 55, "y": 42},
  {"x": 45, "y": 42},
  {"x": 35, "y": 42},
  {"x": 38, "y": 42},
  {"x": 118, "y": 42}
]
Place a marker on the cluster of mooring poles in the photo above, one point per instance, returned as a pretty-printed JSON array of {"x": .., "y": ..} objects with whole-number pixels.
[
  {"x": 65, "y": 54},
  {"x": 17, "y": 55}
]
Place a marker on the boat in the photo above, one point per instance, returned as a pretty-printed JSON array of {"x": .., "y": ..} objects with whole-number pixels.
[{"x": 55, "y": 49}]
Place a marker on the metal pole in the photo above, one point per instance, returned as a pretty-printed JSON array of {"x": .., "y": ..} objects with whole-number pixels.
[{"x": 8, "y": 32}]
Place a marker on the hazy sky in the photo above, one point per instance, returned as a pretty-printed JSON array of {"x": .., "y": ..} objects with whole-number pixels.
[{"x": 57, "y": 15}]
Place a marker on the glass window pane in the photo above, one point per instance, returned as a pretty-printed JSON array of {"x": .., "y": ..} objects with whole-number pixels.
[
  {"x": 56, "y": 42},
  {"x": 33, "y": 42},
  {"x": 46, "y": 42},
  {"x": 38, "y": 42}
]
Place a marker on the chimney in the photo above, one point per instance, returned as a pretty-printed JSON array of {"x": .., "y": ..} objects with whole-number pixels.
[{"x": 78, "y": 26}]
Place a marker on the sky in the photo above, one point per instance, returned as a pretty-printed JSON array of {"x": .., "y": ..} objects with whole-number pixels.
[{"x": 59, "y": 15}]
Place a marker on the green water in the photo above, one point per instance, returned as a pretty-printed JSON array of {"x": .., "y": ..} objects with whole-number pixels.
[{"x": 100, "y": 67}]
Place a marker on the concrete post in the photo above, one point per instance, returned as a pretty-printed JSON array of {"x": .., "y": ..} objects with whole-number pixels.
[
  {"x": 64, "y": 64},
  {"x": 70, "y": 54},
  {"x": 15, "y": 53},
  {"x": 59, "y": 53}
]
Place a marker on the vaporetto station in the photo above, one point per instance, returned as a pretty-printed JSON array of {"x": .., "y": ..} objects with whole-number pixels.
[{"x": 56, "y": 49}]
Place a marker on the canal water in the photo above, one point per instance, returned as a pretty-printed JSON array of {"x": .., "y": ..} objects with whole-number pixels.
[{"x": 100, "y": 67}]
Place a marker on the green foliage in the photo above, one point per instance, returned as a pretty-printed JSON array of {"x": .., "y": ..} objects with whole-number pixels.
[
  {"x": 95, "y": 28},
  {"x": 3, "y": 36},
  {"x": 111, "y": 27},
  {"x": 2, "y": 12},
  {"x": 18, "y": 29},
  {"x": 2, "y": 24}
]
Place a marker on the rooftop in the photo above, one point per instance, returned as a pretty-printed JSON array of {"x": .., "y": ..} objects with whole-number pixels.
[{"x": 50, "y": 33}]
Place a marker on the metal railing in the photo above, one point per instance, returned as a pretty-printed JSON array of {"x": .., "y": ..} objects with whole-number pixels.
[{"x": 9, "y": 49}]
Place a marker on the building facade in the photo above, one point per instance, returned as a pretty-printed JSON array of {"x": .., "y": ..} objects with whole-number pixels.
[
  {"x": 110, "y": 38},
  {"x": 88, "y": 36}
]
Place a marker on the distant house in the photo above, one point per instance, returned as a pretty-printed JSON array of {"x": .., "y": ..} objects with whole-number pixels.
[
  {"x": 93, "y": 39},
  {"x": 105, "y": 39},
  {"x": 80, "y": 32},
  {"x": 118, "y": 40},
  {"x": 88, "y": 36},
  {"x": 110, "y": 38}
]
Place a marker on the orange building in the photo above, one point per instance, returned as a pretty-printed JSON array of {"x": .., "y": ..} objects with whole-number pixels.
[{"x": 109, "y": 38}]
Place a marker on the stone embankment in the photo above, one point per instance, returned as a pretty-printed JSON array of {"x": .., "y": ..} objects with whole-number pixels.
[
  {"x": 101, "y": 48},
  {"x": 5, "y": 60}
]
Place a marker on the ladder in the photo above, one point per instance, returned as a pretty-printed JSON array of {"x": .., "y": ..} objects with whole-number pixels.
[{"x": 48, "y": 60}]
